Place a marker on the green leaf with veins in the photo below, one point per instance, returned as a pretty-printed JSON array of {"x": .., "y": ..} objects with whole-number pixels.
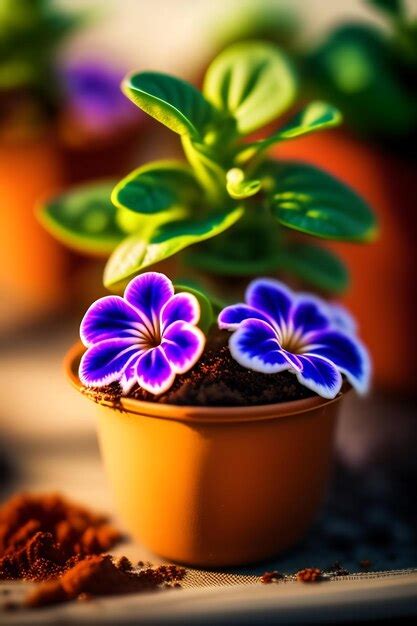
[
  {"x": 156, "y": 187},
  {"x": 315, "y": 116},
  {"x": 252, "y": 82},
  {"x": 154, "y": 244},
  {"x": 172, "y": 101},
  {"x": 84, "y": 219},
  {"x": 308, "y": 199},
  {"x": 315, "y": 265}
]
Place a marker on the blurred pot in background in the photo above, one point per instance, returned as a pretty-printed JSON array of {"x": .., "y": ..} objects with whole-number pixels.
[
  {"x": 57, "y": 126},
  {"x": 32, "y": 266}
]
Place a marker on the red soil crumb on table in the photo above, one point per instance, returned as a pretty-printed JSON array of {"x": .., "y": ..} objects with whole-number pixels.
[
  {"x": 103, "y": 576},
  {"x": 42, "y": 536}
]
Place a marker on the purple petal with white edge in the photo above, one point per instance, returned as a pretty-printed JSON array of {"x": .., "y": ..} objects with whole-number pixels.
[
  {"x": 110, "y": 317},
  {"x": 148, "y": 293},
  {"x": 233, "y": 315},
  {"x": 342, "y": 319},
  {"x": 128, "y": 377},
  {"x": 347, "y": 353},
  {"x": 255, "y": 345},
  {"x": 182, "y": 306},
  {"x": 319, "y": 375},
  {"x": 154, "y": 372},
  {"x": 308, "y": 314},
  {"x": 183, "y": 345},
  {"x": 104, "y": 362},
  {"x": 272, "y": 298}
]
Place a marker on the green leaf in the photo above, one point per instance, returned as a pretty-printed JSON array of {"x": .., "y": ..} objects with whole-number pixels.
[
  {"x": 210, "y": 174},
  {"x": 131, "y": 222},
  {"x": 212, "y": 262},
  {"x": 316, "y": 116},
  {"x": 393, "y": 8},
  {"x": 206, "y": 309},
  {"x": 172, "y": 101},
  {"x": 84, "y": 219},
  {"x": 156, "y": 187},
  {"x": 308, "y": 199},
  {"x": 155, "y": 244},
  {"x": 252, "y": 82},
  {"x": 316, "y": 266},
  {"x": 355, "y": 69},
  {"x": 239, "y": 188}
]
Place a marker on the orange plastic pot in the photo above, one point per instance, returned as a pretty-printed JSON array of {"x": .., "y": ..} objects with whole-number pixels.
[
  {"x": 382, "y": 273},
  {"x": 31, "y": 262},
  {"x": 216, "y": 486}
]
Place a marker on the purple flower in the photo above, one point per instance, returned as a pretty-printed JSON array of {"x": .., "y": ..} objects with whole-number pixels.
[
  {"x": 93, "y": 93},
  {"x": 278, "y": 330},
  {"x": 146, "y": 337}
]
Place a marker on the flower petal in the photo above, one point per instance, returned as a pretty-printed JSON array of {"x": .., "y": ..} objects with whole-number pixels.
[
  {"x": 128, "y": 377},
  {"x": 308, "y": 314},
  {"x": 104, "y": 362},
  {"x": 347, "y": 353},
  {"x": 255, "y": 346},
  {"x": 183, "y": 345},
  {"x": 182, "y": 306},
  {"x": 110, "y": 317},
  {"x": 272, "y": 298},
  {"x": 231, "y": 316},
  {"x": 154, "y": 372},
  {"x": 342, "y": 319},
  {"x": 319, "y": 375},
  {"x": 148, "y": 293}
]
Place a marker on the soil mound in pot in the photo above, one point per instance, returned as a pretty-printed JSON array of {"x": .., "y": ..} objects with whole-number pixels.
[{"x": 217, "y": 380}]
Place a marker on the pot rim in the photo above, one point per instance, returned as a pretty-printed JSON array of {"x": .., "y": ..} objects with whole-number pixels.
[{"x": 191, "y": 413}]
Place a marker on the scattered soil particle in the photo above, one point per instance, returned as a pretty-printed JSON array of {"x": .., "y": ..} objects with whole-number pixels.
[
  {"x": 336, "y": 570},
  {"x": 271, "y": 577},
  {"x": 103, "y": 576},
  {"x": 216, "y": 380},
  {"x": 309, "y": 575},
  {"x": 42, "y": 536}
]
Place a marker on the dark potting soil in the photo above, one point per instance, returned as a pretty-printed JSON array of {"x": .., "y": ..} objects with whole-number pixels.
[{"x": 216, "y": 380}]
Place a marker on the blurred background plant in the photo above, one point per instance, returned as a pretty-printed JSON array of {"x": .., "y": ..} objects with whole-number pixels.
[{"x": 61, "y": 121}]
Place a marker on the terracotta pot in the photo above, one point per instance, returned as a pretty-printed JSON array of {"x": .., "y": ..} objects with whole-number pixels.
[
  {"x": 382, "y": 273},
  {"x": 32, "y": 264},
  {"x": 215, "y": 486}
]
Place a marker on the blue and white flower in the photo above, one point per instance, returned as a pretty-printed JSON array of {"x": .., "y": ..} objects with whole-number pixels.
[{"x": 276, "y": 330}]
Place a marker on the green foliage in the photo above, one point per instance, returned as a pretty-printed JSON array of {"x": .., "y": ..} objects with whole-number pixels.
[
  {"x": 171, "y": 101},
  {"x": 84, "y": 219},
  {"x": 315, "y": 116},
  {"x": 31, "y": 32},
  {"x": 369, "y": 76},
  {"x": 314, "y": 265},
  {"x": 156, "y": 187},
  {"x": 230, "y": 210},
  {"x": 252, "y": 82},
  {"x": 153, "y": 244},
  {"x": 307, "y": 199}
]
